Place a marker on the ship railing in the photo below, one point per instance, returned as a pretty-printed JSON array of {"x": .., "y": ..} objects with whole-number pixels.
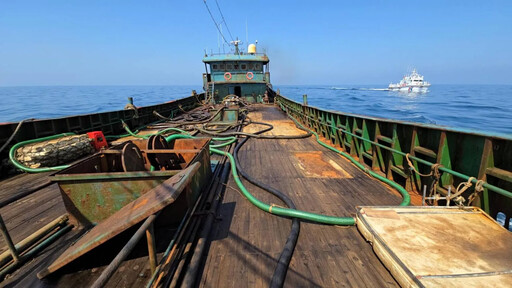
[
  {"x": 383, "y": 145},
  {"x": 233, "y": 54}
]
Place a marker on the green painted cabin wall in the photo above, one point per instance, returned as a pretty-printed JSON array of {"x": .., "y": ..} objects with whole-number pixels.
[{"x": 253, "y": 93}]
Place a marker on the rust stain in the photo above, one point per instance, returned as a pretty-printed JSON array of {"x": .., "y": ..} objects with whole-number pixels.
[
  {"x": 281, "y": 127},
  {"x": 314, "y": 165},
  {"x": 140, "y": 204}
]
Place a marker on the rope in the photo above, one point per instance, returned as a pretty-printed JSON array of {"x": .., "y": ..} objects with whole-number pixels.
[
  {"x": 215, "y": 22},
  {"x": 223, "y": 20},
  {"x": 14, "y": 133},
  {"x": 411, "y": 166},
  {"x": 130, "y": 106},
  {"x": 461, "y": 188},
  {"x": 434, "y": 173},
  {"x": 479, "y": 187}
]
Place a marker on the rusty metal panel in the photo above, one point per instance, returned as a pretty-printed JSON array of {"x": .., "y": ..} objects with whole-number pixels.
[
  {"x": 92, "y": 192},
  {"x": 93, "y": 197},
  {"x": 128, "y": 216}
]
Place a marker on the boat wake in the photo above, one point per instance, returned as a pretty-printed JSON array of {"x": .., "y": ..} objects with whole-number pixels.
[{"x": 360, "y": 89}]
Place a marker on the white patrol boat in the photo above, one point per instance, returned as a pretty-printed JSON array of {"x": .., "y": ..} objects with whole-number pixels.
[{"x": 411, "y": 83}]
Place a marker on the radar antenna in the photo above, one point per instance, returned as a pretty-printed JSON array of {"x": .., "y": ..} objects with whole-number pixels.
[{"x": 236, "y": 43}]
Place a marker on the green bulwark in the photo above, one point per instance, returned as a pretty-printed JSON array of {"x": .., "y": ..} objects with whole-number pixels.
[
  {"x": 245, "y": 75},
  {"x": 382, "y": 145}
]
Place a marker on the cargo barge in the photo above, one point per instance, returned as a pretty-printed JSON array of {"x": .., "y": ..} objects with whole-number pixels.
[{"x": 241, "y": 186}]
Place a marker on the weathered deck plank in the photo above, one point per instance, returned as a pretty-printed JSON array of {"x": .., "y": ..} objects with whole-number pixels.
[{"x": 247, "y": 242}]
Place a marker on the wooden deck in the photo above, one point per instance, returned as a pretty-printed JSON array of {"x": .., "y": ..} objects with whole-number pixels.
[{"x": 246, "y": 241}]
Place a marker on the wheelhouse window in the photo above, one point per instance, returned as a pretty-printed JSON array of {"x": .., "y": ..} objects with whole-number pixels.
[
  {"x": 236, "y": 66},
  {"x": 244, "y": 67},
  {"x": 250, "y": 66},
  {"x": 229, "y": 66},
  {"x": 257, "y": 66},
  {"x": 215, "y": 66}
]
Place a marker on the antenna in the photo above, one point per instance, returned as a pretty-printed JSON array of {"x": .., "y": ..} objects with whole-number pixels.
[
  {"x": 218, "y": 38},
  {"x": 246, "y": 32},
  {"x": 223, "y": 51},
  {"x": 236, "y": 43}
]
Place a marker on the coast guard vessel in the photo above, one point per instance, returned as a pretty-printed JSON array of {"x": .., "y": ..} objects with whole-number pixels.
[{"x": 411, "y": 83}]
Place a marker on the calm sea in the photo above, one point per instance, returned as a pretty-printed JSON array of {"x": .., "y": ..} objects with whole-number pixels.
[{"x": 486, "y": 108}]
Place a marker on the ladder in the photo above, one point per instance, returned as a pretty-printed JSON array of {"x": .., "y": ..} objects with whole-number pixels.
[{"x": 210, "y": 93}]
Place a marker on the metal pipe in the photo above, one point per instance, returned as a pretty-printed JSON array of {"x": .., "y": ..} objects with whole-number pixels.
[
  {"x": 8, "y": 240},
  {"x": 197, "y": 256},
  {"x": 127, "y": 249},
  {"x": 168, "y": 250},
  {"x": 150, "y": 236},
  {"x": 183, "y": 255},
  {"x": 34, "y": 251},
  {"x": 33, "y": 238},
  {"x": 157, "y": 276},
  {"x": 419, "y": 160}
]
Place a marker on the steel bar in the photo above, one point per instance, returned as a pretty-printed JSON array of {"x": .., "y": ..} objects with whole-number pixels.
[
  {"x": 8, "y": 240},
  {"x": 170, "y": 246},
  {"x": 33, "y": 238},
  {"x": 191, "y": 274},
  {"x": 150, "y": 236},
  {"x": 127, "y": 249},
  {"x": 31, "y": 253}
]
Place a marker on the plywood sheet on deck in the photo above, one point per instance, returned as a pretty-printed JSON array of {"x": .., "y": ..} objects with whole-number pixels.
[{"x": 439, "y": 246}]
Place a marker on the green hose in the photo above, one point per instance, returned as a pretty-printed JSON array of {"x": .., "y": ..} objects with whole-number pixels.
[
  {"x": 35, "y": 170},
  {"x": 229, "y": 140},
  {"x": 292, "y": 213},
  {"x": 149, "y": 135},
  {"x": 178, "y": 136},
  {"x": 406, "y": 199}
]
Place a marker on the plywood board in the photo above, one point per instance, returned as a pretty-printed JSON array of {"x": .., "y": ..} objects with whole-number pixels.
[{"x": 439, "y": 246}]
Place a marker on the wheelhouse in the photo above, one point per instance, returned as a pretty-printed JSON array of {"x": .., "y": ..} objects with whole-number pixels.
[{"x": 245, "y": 75}]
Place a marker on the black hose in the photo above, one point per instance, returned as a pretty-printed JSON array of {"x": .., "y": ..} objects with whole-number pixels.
[
  {"x": 283, "y": 262},
  {"x": 286, "y": 255},
  {"x": 256, "y": 134},
  {"x": 190, "y": 117}
]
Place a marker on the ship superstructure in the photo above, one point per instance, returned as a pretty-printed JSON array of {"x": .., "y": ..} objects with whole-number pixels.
[{"x": 245, "y": 75}]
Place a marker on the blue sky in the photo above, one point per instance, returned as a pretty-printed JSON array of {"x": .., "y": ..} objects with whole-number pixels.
[{"x": 308, "y": 42}]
